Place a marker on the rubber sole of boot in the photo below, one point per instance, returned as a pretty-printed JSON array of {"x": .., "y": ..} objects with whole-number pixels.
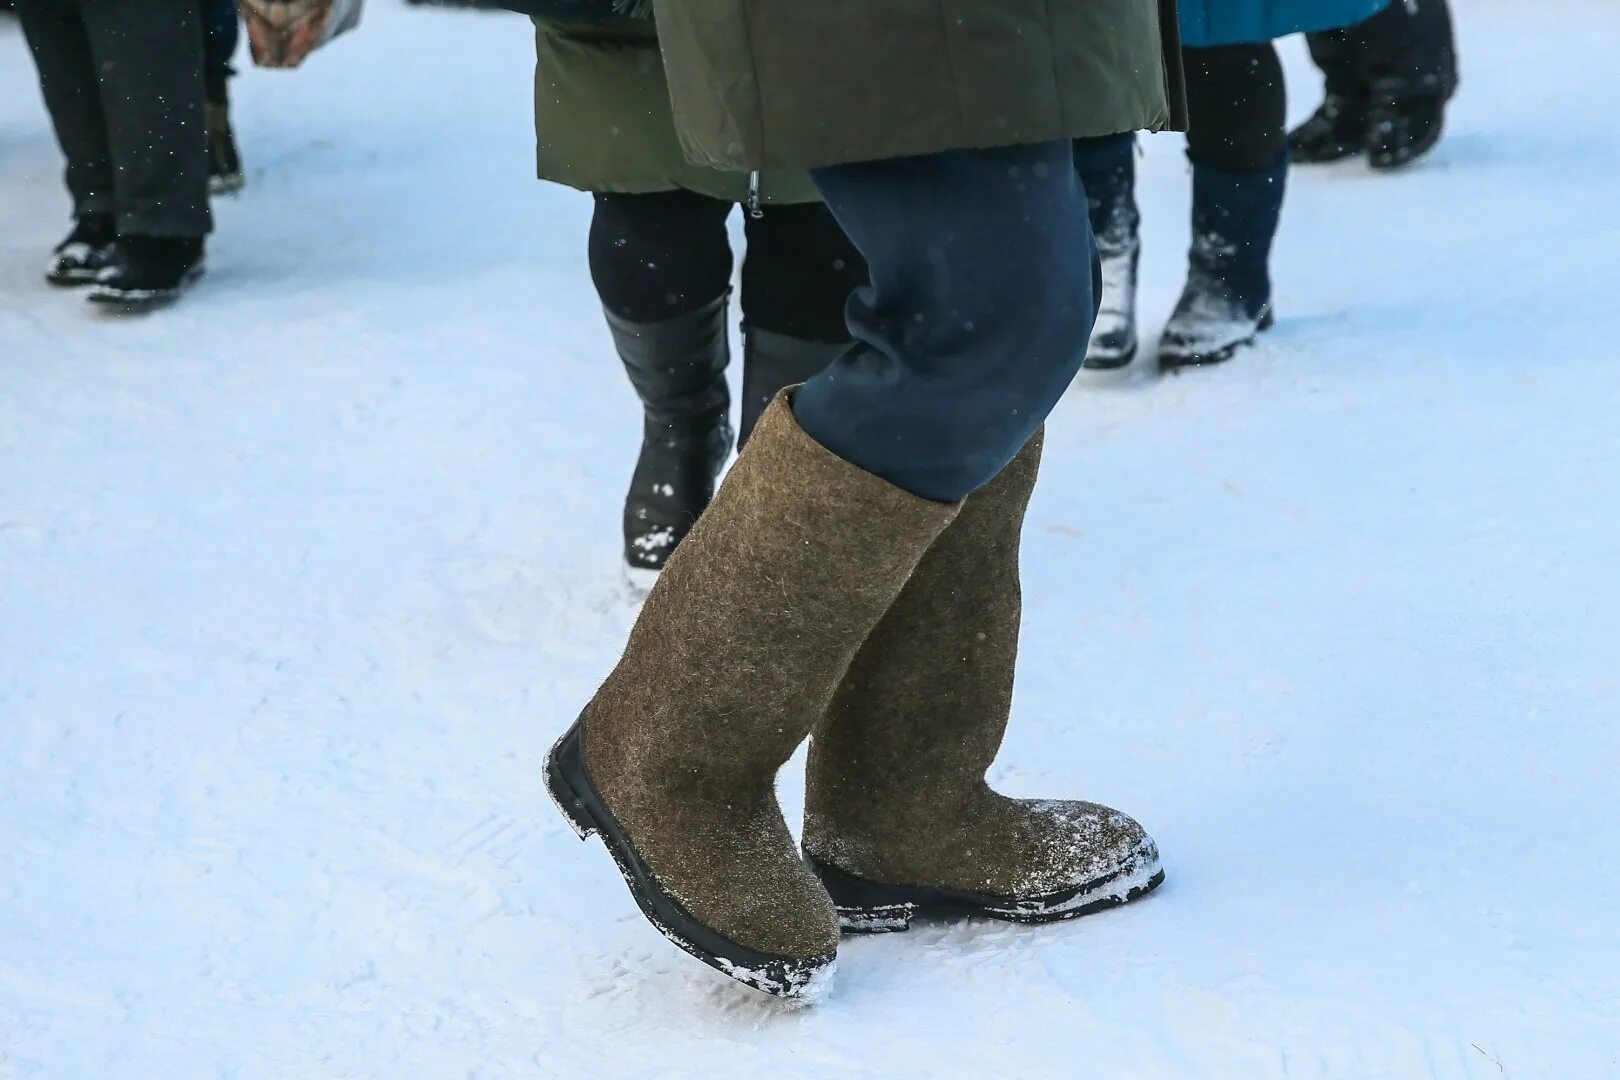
[
  {"x": 570, "y": 787},
  {"x": 1339, "y": 151},
  {"x": 1172, "y": 362},
  {"x": 869, "y": 907},
  {"x": 1383, "y": 159},
  {"x": 140, "y": 301},
  {"x": 1111, "y": 361}
]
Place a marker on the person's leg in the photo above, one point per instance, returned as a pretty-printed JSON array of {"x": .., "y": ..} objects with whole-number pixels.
[
  {"x": 983, "y": 272},
  {"x": 1107, "y": 168},
  {"x": 662, "y": 267},
  {"x": 1338, "y": 128},
  {"x": 56, "y": 37},
  {"x": 899, "y": 820},
  {"x": 149, "y": 56},
  {"x": 755, "y": 621},
  {"x": 221, "y": 31},
  {"x": 1239, "y": 152},
  {"x": 797, "y": 278},
  {"x": 1411, "y": 58}
]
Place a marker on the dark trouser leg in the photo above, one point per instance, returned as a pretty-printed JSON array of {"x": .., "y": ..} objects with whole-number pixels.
[
  {"x": 222, "y": 29},
  {"x": 67, "y": 75},
  {"x": 1238, "y": 104},
  {"x": 976, "y": 320},
  {"x": 149, "y": 54},
  {"x": 1409, "y": 48},
  {"x": 796, "y": 282}
]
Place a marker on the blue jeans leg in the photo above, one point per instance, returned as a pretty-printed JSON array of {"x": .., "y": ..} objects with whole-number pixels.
[{"x": 983, "y": 270}]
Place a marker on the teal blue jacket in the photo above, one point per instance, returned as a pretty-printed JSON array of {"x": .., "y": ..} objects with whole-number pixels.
[{"x": 1232, "y": 22}]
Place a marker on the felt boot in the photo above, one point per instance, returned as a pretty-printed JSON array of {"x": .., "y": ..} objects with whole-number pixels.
[
  {"x": 735, "y": 657},
  {"x": 899, "y": 821}
]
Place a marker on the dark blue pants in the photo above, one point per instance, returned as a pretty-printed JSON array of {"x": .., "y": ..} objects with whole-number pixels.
[
  {"x": 220, "y": 30},
  {"x": 984, "y": 289}
]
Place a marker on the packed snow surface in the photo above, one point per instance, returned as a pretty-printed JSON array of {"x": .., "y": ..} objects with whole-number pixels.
[{"x": 299, "y": 580}]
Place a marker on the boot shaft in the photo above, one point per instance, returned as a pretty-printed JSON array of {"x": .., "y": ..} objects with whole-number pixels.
[
  {"x": 677, "y": 366},
  {"x": 921, "y": 713},
  {"x": 1234, "y": 222}
]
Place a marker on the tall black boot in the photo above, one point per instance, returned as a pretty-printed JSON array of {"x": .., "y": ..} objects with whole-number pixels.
[
  {"x": 772, "y": 362},
  {"x": 678, "y": 367},
  {"x": 1227, "y": 300},
  {"x": 1107, "y": 169}
]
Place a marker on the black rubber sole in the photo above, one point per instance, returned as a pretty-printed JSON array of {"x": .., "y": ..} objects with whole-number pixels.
[
  {"x": 140, "y": 301},
  {"x": 869, "y": 907},
  {"x": 570, "y": 787},
  {"x": 1110, "y": 363},
  {"x": 1172, "y": 362},
  {"x": 77, "y": 279}
]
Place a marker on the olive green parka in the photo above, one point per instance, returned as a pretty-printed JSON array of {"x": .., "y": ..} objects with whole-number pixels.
[
  {"x": 770, "y": 84},
  {"x": 602, "y": 118}
]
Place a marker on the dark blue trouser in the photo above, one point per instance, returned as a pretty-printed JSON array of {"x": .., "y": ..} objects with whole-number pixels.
[
  {"x": 220, "y": 32},
  {"x": 984, "y": 288}
]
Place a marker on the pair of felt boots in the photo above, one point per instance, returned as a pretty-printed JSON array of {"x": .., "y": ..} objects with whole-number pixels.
[{"x": 815, "y": 599}]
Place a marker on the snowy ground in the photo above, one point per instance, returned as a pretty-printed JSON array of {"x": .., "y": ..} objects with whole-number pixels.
[{"x": 298, "y": 580}]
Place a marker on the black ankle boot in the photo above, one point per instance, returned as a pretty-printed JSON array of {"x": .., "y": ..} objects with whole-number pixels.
[
  {"x": 1337, "y": 130},
  {"x": 84, "y": 254},
  {"x": 1227, "y": 300},
  {"x": 678, "y": 367},
  {"x": 772, "y": 362},
  {"x": 1107, "y": 170},
  {"x": 1405, "y": 123},
  {"x": 149, "y": 271}
]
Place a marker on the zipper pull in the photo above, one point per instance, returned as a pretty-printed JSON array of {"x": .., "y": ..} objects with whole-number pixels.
[{"x": 755, "y": 209}]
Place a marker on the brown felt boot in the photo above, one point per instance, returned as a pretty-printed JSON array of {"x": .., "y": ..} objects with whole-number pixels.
[
  {"x": 735, "y": 657},
  {"x": 899, "y": 820}
]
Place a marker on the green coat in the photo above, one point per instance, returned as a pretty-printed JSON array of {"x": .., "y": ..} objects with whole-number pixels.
[
  {"x": 800, "y": 83},
  {"x": 602, "y": 118}
]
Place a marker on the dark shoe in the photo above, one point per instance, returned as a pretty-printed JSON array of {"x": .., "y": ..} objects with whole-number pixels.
[
  {"x": 1404, "y": 127},
  {"x": 899, "y": 821},
  {"x": 1337, "y": 130},
  {"x": 773, "y": 362},
  {"x": 148, "y": 272},
  {"x": 734, "y": 658},
  {"x": 678, "y": 367},
  {"x": 1227, "y": 299},
  {"x": 85, "y": 253},
  {"x": 1107, "y": 169},
  {"x": 224, "y": 163}
]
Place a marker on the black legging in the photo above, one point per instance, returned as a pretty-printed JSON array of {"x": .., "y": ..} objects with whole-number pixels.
[
  {"x": 657, "y": 256},
  {"x": 1239, "y": 107}
]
